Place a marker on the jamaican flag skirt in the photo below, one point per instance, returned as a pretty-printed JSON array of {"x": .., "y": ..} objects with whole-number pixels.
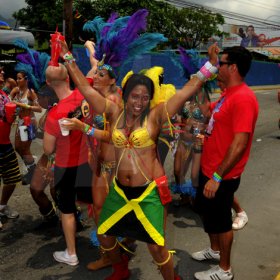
[{"x": 133, "y": 212}]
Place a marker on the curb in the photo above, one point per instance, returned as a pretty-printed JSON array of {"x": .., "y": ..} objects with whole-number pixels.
[{"x": 256, "y": 88}]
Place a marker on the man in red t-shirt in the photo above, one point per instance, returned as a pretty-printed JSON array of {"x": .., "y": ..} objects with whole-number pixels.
[
  {"x": 9, "y": 168},
  {"x": 225, "y": 153},
  {"x": 72, "y": 174}
]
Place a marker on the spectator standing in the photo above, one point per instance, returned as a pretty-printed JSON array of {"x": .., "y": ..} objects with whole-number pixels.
[
  {"x": 72, "y": 173},
  {"x": 9, "y": 168},
  {"x": 229, "y": 134}
]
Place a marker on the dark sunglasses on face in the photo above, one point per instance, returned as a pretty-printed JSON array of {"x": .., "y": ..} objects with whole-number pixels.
[{"x": 221, "y": 63}]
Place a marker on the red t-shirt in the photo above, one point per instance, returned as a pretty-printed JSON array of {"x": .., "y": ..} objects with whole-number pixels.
[
  {"x": 5, "y": 127},
  {"x": 236, "y": 111},
  {"x": 70, "y": 150}
]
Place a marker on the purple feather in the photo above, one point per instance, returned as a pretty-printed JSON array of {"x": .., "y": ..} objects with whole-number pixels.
[
  {"x": 136, "y": 24},
  {"x": 24, "y": 58},
  {"x": 186, "y": 61},
  {"x": 119, "y": 35},
  {"x": 111, "y": 19}
]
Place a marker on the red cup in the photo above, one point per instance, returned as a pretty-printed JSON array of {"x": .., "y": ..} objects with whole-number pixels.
[
  {"x": 55, "y": 48},
  {"x": 10, "y": 109},
  {"x": 26, "y": 120}
]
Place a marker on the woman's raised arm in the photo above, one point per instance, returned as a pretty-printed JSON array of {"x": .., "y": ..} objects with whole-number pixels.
[
  {"x": 96, "y": 100},
  {"x": 193, "y": 85}
]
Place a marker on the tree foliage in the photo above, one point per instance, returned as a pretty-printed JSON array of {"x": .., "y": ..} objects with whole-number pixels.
[
  {"x": 195, "y": 26},
  {"x": 41, "y": 17},
  {"x": 188, "y": 27}
]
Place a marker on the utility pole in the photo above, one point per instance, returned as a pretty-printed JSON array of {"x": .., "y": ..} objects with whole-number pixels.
[{"x": 68, "y": 21}]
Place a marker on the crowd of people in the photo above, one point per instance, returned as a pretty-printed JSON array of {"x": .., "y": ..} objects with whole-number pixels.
[{"x": 100, "y": 147}]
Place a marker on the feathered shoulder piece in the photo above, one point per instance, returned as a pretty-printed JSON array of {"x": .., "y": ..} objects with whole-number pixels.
[
  {"x": 121, "y": 39},
  {"x": 192, "y": 62},
  {"x": 33, "y": 63},
  {"x": 162, "y": 92}
]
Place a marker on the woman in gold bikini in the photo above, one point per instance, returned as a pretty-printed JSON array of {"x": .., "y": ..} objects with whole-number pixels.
[{"x": 135, "y": 205}]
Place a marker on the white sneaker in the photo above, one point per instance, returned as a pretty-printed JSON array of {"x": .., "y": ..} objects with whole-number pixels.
[
  {"x": 214, "y": 273},
  {"x": 240, "y": 221},
  {"x": 64, "y": 257},
  {"x": 9, "y": 212},
  {"x": 1, "y": 225},
  {"x": 206, "y": 254}
]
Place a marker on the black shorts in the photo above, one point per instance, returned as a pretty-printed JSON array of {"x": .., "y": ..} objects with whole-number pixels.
[
  {"x": 216, "y": 212},
  {"x": 72, "y": 184},
  {"x": 9, "y": 168}
]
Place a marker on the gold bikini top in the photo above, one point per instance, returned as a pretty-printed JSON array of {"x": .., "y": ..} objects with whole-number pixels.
[{"x": 139, "y": 138}]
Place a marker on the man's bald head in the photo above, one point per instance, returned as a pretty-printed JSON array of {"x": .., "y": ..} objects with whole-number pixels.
[{"x": 56, "y": 74}]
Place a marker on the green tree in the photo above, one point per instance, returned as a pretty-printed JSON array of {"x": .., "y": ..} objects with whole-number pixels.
[
  {"x": 195, "y": 26},
  {"x": 188, "y": 27},
  {"x": 41, "y": 17}
]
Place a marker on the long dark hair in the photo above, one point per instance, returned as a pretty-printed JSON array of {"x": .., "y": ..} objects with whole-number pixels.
[
  {"x": 47, "y": 91},
  {"x": 132, "y": 82}
]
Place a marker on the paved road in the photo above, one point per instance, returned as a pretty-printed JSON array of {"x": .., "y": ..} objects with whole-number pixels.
[{"x": 26, "y": 254}]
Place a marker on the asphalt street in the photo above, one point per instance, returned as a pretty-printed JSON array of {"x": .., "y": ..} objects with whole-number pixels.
[{"x": 27, "y": 254}]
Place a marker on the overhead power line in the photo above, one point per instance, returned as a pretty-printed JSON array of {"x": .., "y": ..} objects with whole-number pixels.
[{"x": 226, "y": 14}]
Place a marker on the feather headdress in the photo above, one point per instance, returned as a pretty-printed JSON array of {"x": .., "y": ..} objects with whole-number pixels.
[
  {"x": 192, "y": 62},
  {"x": 33, "y": 63},
  {"x": 120, "y": 40}
]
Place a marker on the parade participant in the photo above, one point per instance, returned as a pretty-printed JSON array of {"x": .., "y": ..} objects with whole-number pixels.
[
  {"x": 104, "y": 81},
  {"x": 72, "y": 173},
  {"x": 189, "y": 148},
  {"x": 193, "y": 124},
  {"x": 27, "y": 101},
  {"x": 108, "y": 50},
  {"x": 43, "y": 173},
  {"x": 30, "y": 69},
  {"x": 9, "y": 168},
  {"x": 139, "y": 193},
  {"x": 229, "y": 134}
]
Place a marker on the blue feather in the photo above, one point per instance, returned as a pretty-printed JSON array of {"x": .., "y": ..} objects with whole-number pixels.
[
  {"x": 145, "y": 43},
  {"x": 95, "y": 26},
  {"x": 33, "y": 63}
]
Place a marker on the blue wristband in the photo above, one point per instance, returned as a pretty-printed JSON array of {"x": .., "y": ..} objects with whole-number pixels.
[{"x": 91, "y": 131}]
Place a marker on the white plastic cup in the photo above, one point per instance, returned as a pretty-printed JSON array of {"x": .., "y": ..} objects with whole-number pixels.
[
  {"x": 64, "y": 131},
  {"x": 23, "y": 133}
]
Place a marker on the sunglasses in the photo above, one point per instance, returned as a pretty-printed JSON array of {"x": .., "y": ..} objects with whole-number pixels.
[{"x": 221, "y": 63}]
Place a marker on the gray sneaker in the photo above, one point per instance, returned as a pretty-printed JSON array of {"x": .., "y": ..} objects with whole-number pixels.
[
  {"x": 214, "y": 273},
  {"x": 64, "y": 257},
  {"x": 9, "y": 212},
  {"x": 206, "y": 254}
]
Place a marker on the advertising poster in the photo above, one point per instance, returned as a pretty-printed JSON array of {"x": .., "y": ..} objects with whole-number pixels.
[{"x": 250, "y": 36}]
